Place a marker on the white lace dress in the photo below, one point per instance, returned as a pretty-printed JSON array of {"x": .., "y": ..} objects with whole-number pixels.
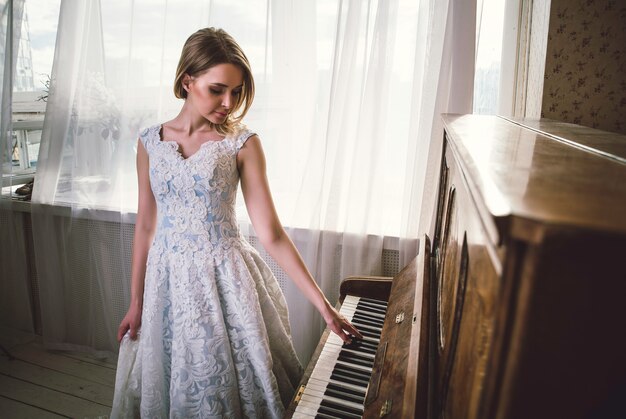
[{"x": 215, "y": 338}]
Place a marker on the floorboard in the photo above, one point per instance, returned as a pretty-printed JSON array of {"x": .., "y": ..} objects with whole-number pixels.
[
  {"x": 37, "y": 383},
  {"x": 18, "y": 410}
]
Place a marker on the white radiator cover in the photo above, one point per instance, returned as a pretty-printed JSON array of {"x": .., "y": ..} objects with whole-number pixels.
[{"x": 105, "y": 247}]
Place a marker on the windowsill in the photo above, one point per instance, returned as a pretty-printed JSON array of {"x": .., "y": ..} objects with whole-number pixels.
[
  {"x": 115, "y": 216},
  {"x": 66, "y": 210},
  {"x": 17, "y": 179}
]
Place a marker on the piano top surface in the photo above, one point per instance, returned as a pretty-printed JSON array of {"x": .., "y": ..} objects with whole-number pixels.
[{"x": 567, "y": 175}]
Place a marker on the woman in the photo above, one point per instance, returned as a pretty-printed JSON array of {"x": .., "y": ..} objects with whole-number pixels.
[{"x": 215, "y": 336}]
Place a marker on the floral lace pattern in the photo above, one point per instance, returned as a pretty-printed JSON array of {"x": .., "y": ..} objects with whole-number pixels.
[{"x": 215, "y": 335}]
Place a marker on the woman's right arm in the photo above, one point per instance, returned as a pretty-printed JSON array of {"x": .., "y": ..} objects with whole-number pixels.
[{"x": 144, "y": 232}]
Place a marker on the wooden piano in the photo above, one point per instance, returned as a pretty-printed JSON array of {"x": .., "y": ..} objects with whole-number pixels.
[{"x": 514, "y": 307}]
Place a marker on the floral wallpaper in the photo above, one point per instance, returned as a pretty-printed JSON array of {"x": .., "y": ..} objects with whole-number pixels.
[{"x": 585, "y": 72}]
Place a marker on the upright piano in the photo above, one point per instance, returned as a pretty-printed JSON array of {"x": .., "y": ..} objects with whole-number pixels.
[{"x": 514, "y": 306}]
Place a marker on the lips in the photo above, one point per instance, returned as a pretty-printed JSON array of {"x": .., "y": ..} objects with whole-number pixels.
[{"x": 223, "y": 115}]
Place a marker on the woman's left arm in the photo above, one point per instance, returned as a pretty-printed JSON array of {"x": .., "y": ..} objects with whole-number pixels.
[{"x": 256, "y": 192}]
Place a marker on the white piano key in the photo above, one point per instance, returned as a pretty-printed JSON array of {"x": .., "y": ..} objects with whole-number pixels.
[{"x": 307, "y": 407}]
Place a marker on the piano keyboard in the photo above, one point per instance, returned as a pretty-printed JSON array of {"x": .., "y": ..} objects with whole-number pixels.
[{"x": 338, "y": 383}]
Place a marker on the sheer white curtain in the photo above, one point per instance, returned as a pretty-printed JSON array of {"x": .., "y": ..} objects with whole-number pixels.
[
  {"x": 15, "y": 301},
  {"x": 348, "y": 96}
]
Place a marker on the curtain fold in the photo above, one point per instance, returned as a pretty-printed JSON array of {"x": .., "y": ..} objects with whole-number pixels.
[
  {"x": 348, "y": 98},
  {"x": 15, "y": 293}
]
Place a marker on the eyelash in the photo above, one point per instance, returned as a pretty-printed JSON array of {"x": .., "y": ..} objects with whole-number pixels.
[{"x": 219, "y": 92}]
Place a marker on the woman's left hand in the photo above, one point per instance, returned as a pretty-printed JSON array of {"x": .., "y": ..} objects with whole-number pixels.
[{"x": 340, "y": 325}]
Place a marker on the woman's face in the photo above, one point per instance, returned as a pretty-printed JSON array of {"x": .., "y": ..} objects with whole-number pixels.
[{"x": 215, "y": 92}]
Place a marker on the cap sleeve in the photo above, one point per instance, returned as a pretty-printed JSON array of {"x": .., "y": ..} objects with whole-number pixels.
[
  {"x": 146, "y": 134},
  {"x": 243, "y": 137}
]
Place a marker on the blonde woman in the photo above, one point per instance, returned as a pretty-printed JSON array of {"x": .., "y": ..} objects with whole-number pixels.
[{"x": 207, "y": 332}]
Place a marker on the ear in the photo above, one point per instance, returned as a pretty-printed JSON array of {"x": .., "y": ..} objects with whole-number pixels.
[{"x": 187, "y": 79}]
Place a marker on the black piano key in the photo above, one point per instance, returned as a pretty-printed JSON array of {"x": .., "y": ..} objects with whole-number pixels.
[
  {"x": 346, "y": 390},
  {"x": 371, "y": 321},
  {"x": 373, "y": 311},
  {"x": 371, "y": 306},
  {"x": 352, "y": 355},
  {"x": 380, "y": 303},
  {"x": 334, "y": 413},
  {"x": 367, "y": 333},
  {"x": 341, "y": 408},
  {"x": 319, "y": 415},
  {"x": 368, "y": 323},
  {"x": 363, "y": 306},
  {"x": 347, "y": 380},
  {"x": 361, "y": 346},
  {"x": 347, "y": 375},
  {"x": 364, "y": 326},
  {"x": 361, "y": 343},
  {"x": 353, "y": 361},
  {"x": 373, "y": 314},
  {"x": 341, "y": 370},
  {"x": 344, "y": 396},
  {"x": 352, "y": 372},
  {"x": 367, "y": 320}
]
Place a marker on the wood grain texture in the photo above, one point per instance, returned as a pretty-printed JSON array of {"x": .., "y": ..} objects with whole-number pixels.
[
  {"x": 376, "y": 287},
  {"x": 35, "y": 382},
  {"x": 528, "y": 320},
  {"x": 517, "y": 172}
]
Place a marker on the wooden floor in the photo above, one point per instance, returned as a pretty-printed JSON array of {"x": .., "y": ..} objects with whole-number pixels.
[{"x": 36, "y": 383}]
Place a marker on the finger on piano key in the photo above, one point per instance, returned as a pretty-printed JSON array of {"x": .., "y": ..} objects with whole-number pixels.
[{"x": 339, "y": 346}]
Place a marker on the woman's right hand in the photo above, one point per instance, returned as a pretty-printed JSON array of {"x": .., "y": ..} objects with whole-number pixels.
[{"x": 132, "y": 322}]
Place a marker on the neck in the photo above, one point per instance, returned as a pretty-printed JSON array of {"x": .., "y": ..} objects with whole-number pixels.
[{"x": 189, "y": 121}]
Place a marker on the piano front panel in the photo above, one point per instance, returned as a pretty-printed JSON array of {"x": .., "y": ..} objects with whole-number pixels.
[
  {"x": 387, "y": 394},
  {"x": 465, "y": 287}
]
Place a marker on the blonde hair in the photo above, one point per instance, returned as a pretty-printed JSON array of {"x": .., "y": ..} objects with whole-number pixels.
[{"x": 207, "y": 48}]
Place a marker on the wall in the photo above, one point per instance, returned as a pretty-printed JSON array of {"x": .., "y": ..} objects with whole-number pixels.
[{"x": 585, "y": 80}]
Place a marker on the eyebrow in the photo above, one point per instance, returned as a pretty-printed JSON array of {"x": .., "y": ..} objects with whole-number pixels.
[{"x": 225, "y": 85}]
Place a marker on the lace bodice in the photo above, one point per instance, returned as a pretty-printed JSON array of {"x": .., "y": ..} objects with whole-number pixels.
[{"x": 195, "y": 196}]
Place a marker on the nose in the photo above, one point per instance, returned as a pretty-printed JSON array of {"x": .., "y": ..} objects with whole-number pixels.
[{"x": 226, "y": 101}]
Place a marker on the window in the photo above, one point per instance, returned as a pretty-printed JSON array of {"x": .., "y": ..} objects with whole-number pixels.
[
  {"x": 489, "y": 33},
  {"x": 30, "y": 82}
]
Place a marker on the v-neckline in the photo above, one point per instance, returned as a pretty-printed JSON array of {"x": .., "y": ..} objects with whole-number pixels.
[{"x": 177, "y": 149}]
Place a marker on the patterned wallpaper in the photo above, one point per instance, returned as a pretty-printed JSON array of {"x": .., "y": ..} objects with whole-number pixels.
[{"x": 585, "y": 72}]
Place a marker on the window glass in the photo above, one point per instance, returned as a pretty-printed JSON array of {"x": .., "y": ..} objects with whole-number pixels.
[
  {"x": 31, "y": 80},
  {"x": 489, "y": 31}
]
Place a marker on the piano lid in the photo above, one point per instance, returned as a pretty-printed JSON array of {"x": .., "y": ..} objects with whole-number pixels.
[{"x": 525, "y": 175}]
